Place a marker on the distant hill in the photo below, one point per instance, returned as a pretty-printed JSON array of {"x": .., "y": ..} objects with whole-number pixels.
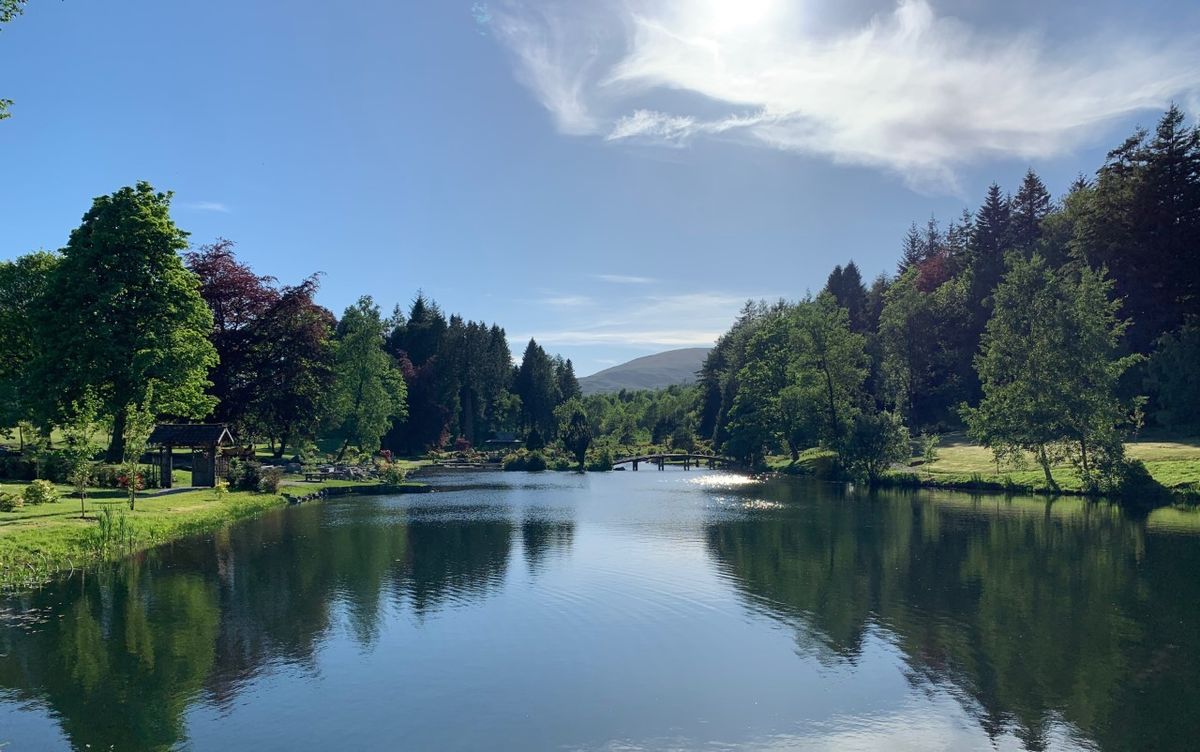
[{"x": 650, "y": 372}]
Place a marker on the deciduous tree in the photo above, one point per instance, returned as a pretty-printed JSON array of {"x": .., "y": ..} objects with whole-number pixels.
[{"x": 121, "y": 310}]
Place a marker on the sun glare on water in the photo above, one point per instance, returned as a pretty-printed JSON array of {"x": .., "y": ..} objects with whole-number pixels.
[{"x": 724, "y": 480}]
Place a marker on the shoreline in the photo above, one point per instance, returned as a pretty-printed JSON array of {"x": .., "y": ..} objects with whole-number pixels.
[{"x": 36, "y": 548}]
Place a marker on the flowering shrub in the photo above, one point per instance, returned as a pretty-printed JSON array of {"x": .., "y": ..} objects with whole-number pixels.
[
  {"x": 139, "y": 481},
  {"x": 221, "y": 489},
  {"x": 392, "y": 473},
  {"x": 40, "y": 492},
  {"x": 10, "y": 502}
]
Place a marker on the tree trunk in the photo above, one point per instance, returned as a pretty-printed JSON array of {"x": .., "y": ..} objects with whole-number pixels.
[
  {"x": 116, "y": 445},
  {"x": 281, "y": 447},
  {"x": 342, "y": 452},
  {"x": 1044, "y": 460},
  {"x": 1083, "y": 455},
  {"x": 794, "y": 450},
  {"x": 834, "y": 427}
]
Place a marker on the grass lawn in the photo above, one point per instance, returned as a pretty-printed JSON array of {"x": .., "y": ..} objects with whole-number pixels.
[
  {"x": 37, "y": 541},
  {"x": 1174, "y": 463}
]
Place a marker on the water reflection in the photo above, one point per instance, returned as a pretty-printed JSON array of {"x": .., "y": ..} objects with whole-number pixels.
[
  {"x": 117, "y": 656},
  {"x": 1037, "y": 616},
  {"x": 647, "y": 611}
]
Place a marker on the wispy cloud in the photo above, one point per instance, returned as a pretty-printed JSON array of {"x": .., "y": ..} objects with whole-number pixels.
[
  {"x": 567, "y": 301},
  {"x": 649, "y": 322},
  {"x": 624, "y": 279},
  {"x": 912, "y": 92},
  {"x": 209, "y": 206}
]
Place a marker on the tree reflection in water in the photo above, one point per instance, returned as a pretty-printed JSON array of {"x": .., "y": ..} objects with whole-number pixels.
[{"x": 1031, "y": 613}]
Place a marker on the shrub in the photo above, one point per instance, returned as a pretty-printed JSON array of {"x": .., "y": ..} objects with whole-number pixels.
[
  {"x": 461, "y": 444},
  {"x": 877, "y": 440},
  {"x": 246, "y": 475},
  {"x": 221, "y": 489},
  {"x": 10, "y": 502},
  {"x": 392, "y": 473},
  {"x": 601, "y": 459},
  {"x": 929, "y": 444},
  {"x": 1137, "y": 487},
  {"x": 269, "y": 479},
  {"x": 524, "y": 459},
  {"x": 40, "y": 492},
  {"x": 113, "y": 476},
  {"x": 561, "y": 463}
]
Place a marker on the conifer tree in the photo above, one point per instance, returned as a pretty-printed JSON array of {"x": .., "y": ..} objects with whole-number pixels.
[{"x": 1030, "y": 207}]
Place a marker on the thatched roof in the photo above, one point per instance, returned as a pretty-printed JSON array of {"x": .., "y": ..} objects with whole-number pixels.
[{"x": 191, "y": 435}]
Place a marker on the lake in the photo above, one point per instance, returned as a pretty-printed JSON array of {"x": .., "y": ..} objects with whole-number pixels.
[{"x": 625, "y": 611}]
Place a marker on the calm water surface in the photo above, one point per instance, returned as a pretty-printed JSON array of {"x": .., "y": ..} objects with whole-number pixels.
[{"x": 649, "y": 610}]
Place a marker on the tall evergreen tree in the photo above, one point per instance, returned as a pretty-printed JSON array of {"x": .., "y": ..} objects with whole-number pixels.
[
  {"x": 537, "y": 386},
  {"x": 991, "y": 239},
  {"x": 846, "y": 286},
  {"x": 912, "y": 250},
  {"x": 1030, "y": 207},
  {"x": 568, "y": 384},
  {"x": 1143, "y": 224}
]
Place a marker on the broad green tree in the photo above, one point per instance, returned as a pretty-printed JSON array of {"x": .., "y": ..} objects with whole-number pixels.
[
  {"x": 23, "y": 283},
  {"x": 119, "y": 311},
  {"x": 369, "y": 389},
  {"x": 1049, "y": 367}
]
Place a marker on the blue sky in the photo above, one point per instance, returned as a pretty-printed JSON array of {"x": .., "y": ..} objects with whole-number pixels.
[{"x": 613, "y": 177}]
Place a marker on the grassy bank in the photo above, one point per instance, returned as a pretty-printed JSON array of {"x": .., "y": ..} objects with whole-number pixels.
[
  {"x": 960, "y": 464},
  {"x": 1175, "y": 465},
  {"x": 37, "y": 541}
]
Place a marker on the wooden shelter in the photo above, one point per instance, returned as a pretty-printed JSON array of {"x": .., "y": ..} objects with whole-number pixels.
[{"x": 206, "y": 441}]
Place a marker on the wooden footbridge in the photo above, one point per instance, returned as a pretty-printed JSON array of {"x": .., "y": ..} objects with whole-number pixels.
[{"x": 681, "y": 458}]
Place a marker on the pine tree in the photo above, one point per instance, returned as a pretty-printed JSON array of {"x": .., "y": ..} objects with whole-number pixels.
[
  {"x": 1142, "y": 222},
  {"x": 1030, "y": 207},
  {"x": 912, "y": 250},
  {"x": 846, "y": 286}
]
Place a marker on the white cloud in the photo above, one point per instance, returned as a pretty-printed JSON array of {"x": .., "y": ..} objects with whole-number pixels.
[
  {"x": 624, "y": 279},
  {"x": 910, "y": 92},
  {"x": 210, "y": 206}
]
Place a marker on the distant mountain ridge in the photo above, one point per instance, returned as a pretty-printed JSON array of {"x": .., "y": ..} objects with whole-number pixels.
[{"x": 648, "y": 372}]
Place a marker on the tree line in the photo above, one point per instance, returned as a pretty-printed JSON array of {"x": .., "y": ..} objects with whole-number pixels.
[
  {"x": 126, "y": 320},
  {"x": 1042, "y": 326}
]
